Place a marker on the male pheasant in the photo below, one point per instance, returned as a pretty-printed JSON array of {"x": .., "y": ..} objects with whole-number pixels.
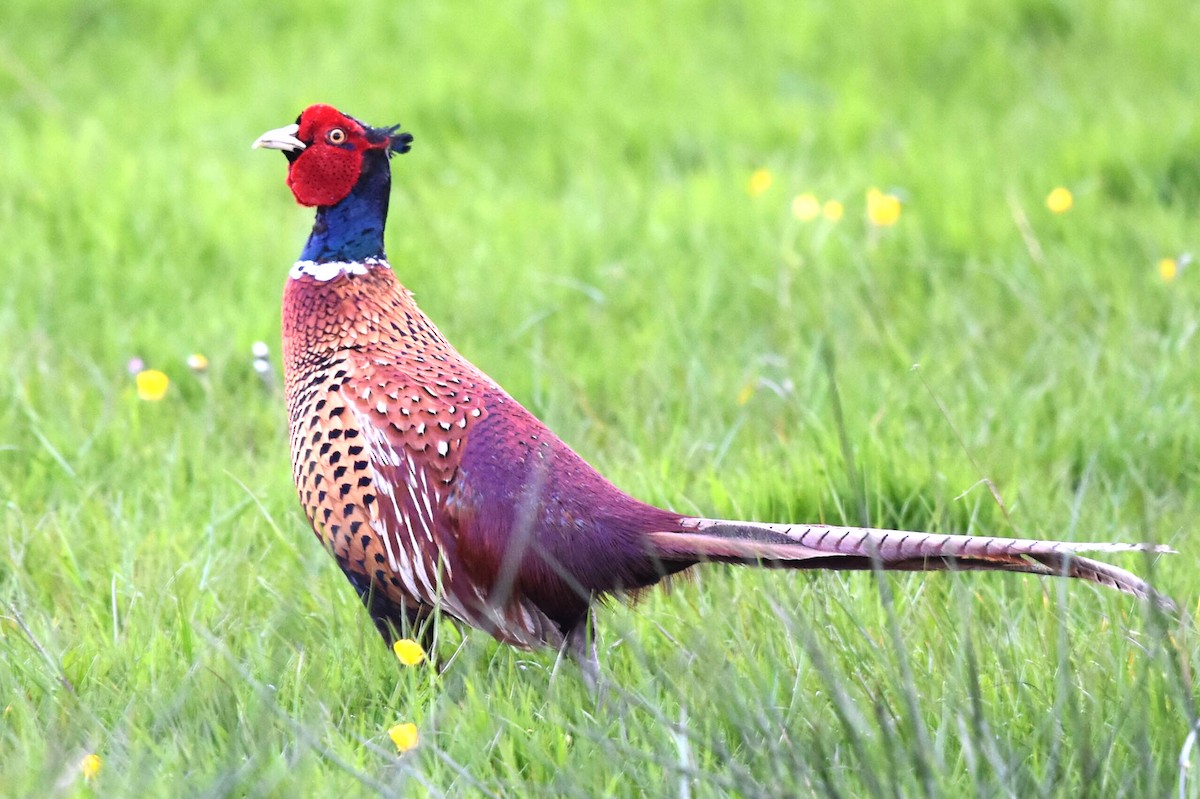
[{"x": 434, "y": 489}]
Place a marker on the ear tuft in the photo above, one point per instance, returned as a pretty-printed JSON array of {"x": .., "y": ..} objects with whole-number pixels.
[
  {"x": 397, "y": 142},
  {"x": 401, "y": 142}
]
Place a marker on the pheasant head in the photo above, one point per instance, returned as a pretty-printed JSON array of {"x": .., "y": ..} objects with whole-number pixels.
[
  {"x": 327, "y": 152},
  {"x": 339, "y": 165}
]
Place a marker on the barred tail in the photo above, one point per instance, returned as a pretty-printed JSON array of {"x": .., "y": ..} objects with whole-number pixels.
[{"x": 818, "y": 546}]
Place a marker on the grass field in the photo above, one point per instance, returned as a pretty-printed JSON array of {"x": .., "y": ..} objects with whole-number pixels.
[{"x": 581, "y": 216}]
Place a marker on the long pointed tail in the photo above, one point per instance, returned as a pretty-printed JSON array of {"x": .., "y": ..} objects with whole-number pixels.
[{"x": 818, "y": 546}]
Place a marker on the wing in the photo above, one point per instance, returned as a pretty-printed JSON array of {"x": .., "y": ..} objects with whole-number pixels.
[{"x": 415, "y": 424}]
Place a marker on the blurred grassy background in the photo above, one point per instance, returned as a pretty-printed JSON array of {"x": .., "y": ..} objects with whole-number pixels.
[{"x": 576, "y": 216}]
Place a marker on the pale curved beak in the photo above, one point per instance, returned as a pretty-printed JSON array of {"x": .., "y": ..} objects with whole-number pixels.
[{"x": 280, "y": 139}]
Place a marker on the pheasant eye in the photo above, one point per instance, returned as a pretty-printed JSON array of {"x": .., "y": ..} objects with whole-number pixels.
[{"x": 335, "y": 136}]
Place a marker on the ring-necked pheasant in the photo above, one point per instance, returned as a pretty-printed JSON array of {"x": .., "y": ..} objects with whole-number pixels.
[{"x": 434, "y": 489}]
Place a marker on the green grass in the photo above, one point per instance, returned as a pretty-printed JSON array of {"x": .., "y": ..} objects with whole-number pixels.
[{"x": 575, "y": 217}]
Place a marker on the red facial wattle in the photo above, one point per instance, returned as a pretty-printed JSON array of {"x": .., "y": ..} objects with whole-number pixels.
[{"x": 324, "y": 175}]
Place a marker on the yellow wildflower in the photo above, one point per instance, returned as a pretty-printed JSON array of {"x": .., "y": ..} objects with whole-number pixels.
[
  {"x": 90, "y": 766},
  {"x": 883, "y": 210},
  {"x": 404, "y": 736},
  {"x": 197, "y": 362},
  {"x": 152, "y": 385},
  {"x": 408, "y": 651},
  {"x": 833, "y": 210},
  {"x": 1168, "y": 269},
  {"x": 1059, "y": 201},
  {"x": 760, "y": 181},
  {"x": 746, "y": 393},
  {"x": 806, "y": 207}
]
